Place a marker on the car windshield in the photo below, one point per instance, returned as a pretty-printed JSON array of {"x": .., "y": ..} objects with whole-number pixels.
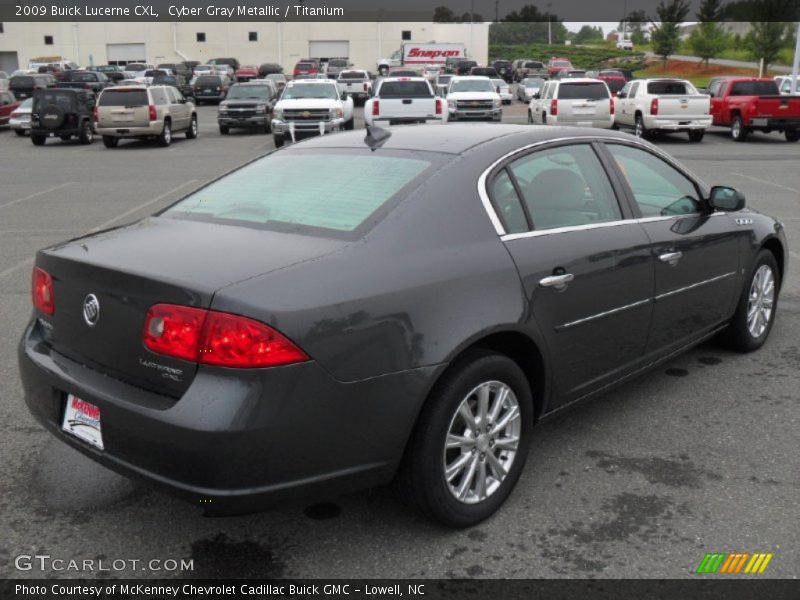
[
  {"x": 304, "y": 66},
  {"x": 445, "y": 78},
  {"x": 534, "y": 65},
  {"x": 499, "y": 83},
  {"x": 27, "y": 104},
  {"x": 165, "y": 80},
  {"x": 276, "y": 190},
  {"x": 83, "y": 77},
  {"x": 352, "y": 75},
  {"x": 136, "y": 67},
  {"x": 754, "y": 88},
  {"x": 583, "y": 91},
  {"x": 533, "y": 83},
  {"x": 254, "y": 92},
  {"x": 202, "y": 68},
  {"x": 310, "y": 90},
  {"x": 666, "y": 88},
  {"x": 405, "y": 89},
  {"x": 472, "y": 85},
  {"x": 128, "y": 98}
]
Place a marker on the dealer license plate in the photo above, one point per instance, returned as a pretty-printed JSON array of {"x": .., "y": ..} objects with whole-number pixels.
[{"x": 82, "y": 420}]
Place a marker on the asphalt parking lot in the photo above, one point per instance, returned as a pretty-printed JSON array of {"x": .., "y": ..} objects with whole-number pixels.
[{"x": 698, "y": 456}]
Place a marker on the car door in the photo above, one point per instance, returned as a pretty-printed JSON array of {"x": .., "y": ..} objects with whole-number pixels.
[
  {"x": 585, "y": 263},
  {"x": 696, "y": 253},
  {"x": 178, "y": 109},
  {"x": 627, "y": 105},
  {"x": 718, "y": 108}
]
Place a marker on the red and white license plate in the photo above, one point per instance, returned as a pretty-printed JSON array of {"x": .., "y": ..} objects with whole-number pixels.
[{"x": 82, "y": 420}]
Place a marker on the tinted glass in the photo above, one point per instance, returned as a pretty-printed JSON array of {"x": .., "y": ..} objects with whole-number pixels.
[
  {"x": 112, "y": 97},
  {"x": 208, "y": 81},
  {"x": 667, "y": 88},
  {"x": 659, "y": 189},
  {"x": 565, "y": 187},
  {"x": 305, "y": 66},
  {"x": 754, "y": 88},
  {"x": 159, "y": 96},
  {"x": 352, "y": 75},
  {"x": 255, "y": 92},
  {"x": 615, "y": 85},
  {"x": 310, "y": 90},
  {"x": 534, "y": 65},
  {"x": 405, "y": 89},
  {"x": 507, "y": 204},
  {"x": 472, "y": 85},
  {"x": 277, "y": 190},
  {"x": 337, "y": 63},
  {"x": 64, "y": 99},
  {"x": 21, "y": 82},
  {"x": 583, "y": 91}
]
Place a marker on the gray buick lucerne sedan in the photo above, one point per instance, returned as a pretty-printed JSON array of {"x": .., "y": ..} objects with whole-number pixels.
[{"x": 406, "y": 306}]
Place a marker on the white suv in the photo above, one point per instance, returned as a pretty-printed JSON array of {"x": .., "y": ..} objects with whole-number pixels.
[
  {"x": 474, "y": 97},
  {"x": 581, "y": 102},
  {"x": 311, "y": 107}
]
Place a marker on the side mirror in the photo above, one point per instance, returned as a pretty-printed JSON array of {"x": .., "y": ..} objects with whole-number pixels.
[
  {"x": 537, "y": 96},
  {"x": 726, "y": 199},
  {"x": 622, "y": 95},
  {"x": 498, "y": 89},
  {"x": 344, "y": 96}
]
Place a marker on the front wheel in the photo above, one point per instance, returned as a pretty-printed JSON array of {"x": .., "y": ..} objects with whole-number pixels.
[
  {"x": 470, "y": 444},
  {"x": 349, "y": 125},
  {"x": 279, "y": 140},
  {"x": 696, "y": 135},
  {"x": 530, "y": 117},
  {"x": 86, "y": 135},
  {"x": 20, "y": 132},
  {"x": 224, "y": 130},
  {"x": 192, "y": 132},
  {"x": 792, "y": 135},
  {"x": 738, "y": 130},
  {"x": 755, "y": 312}
]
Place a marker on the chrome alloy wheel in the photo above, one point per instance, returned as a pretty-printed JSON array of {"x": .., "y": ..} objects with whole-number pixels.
[
  {"x": 482, "y": 442},
  {"x": 760, "y": 301}
]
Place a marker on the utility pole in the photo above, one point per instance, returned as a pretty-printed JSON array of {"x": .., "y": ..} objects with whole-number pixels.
[
  {"x": 624, "y": 19},
  {"x": 471, "y": 26},
  {"x": 496, "y": 11},
  {"x": 796, "y": 64},
  {"x": 549, "y": 25}
]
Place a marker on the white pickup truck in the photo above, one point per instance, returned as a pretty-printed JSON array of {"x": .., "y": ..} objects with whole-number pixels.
[
  {"x": 310, "y": 107},
  {"x": 404, "y": 100},
  {"x": 355, "y": 83},
  {"x": 663, "y": 105}
]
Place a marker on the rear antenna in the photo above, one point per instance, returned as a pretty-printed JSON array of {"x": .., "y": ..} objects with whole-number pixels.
[{"x": 376, "y": 137}]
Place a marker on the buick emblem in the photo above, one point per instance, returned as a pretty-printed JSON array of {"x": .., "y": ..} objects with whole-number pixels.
[{"x": 91, "y": 310}]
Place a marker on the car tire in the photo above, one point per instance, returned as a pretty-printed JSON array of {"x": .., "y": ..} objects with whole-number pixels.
[
  {"x": 759, "y": 300},
  {"x": 267, "y": 127},
  {"x": 279, "y": 141},
  {"x": 738, "y": 131},
  {"x": 165, "y": 137},
  {"x": 350, "y": 125},
  {"x": 792, "y": 135},
  {"x": 86, "y": 135},
  {"x": 224, "y": 130},
  {"x": 696, "y": 135},
  {"x": 109, "y": 141},
  {"x": 191, "y": 133},
  {"x": 20, "y": 132},
  {"x": 38, "y": 140},
  {"x": 530, "y": 117},
  {"x": 639, "y": 129},
  {"x": 481, "y": 476},
  {"x": 65, "y": 138}
]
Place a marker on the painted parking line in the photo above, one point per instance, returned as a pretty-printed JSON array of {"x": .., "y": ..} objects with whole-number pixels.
[
  {"x": 772, "y": 183},
  {"x": 37, "y": 194}
]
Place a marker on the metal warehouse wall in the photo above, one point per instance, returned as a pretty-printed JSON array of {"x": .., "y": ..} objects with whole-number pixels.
[{"x": 86, "y": 43}]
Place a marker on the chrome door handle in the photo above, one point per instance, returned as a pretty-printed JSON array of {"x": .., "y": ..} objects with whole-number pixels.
[
  {"x": 671, "y": 257},
  {"x": 558, "y": 282}
]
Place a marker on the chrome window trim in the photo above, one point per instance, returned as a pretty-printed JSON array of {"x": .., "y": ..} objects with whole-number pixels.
[
  {"x": 600, "y": 315},
  {"x": 498, "y": 224},
  {"x": 694, "y": 285}
]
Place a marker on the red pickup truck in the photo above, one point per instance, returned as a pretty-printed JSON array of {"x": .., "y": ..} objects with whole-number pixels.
[
  {"x": 556, "y": 64},
  {"x": 748, "y": 104}
]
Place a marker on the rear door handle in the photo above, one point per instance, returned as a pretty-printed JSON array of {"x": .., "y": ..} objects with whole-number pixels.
[
  {"x": 671, "y": 258},
  {"x": 558, "y": 282}
]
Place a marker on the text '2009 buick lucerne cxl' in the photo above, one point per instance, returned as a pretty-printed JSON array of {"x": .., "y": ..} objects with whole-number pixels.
[{"x": 274, "y": 334}]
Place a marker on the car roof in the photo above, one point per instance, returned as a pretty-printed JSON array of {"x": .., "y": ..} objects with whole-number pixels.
[
  {"x": 459, "y": 138},
  {"x": 471, "y": 77},
  {"x": 314, "y": 81},
  {"x": 578, "y": 80},
  {"x": 392, "y": 79}
]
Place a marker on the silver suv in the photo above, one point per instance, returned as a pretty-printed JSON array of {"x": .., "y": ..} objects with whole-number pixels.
[{"x": 137, "y": 111}]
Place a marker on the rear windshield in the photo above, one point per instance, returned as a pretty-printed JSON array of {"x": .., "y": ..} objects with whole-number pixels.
[
  {"x": 583, "y": 91},
  {"x": 207, "y": 80},
  {"x": 136, "y": 67},
  {"x": 165, "y": 80},
  {"x": 112, "y": 97},
  {"x": 533, "y": 65},
  {"x": 83, "y": 77},
  {"x": 405, "y": 89},
  {"x": 277, "y": 191},
  {"x": 534, "y": 82},
  {"x": 754, "y": 88},
  {"x": 615, "y": 85},
  {"x": 666, "y": 88},
  {"x": 352, "y": 75},
  {"x": 306, "y": 66},
  {"x": 20, "y": 81},
  {"x": 62, "y": 98},
  {"x": 337, "y": 63}
]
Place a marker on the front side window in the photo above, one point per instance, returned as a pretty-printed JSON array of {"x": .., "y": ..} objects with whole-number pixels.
[
  {"x": 565, "y": 187},
  {"x": 658, "y": 188}
]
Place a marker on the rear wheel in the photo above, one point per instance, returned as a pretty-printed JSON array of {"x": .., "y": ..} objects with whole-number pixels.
[
  {"x": 755, "y": 312},
  {"x": 20, "y": 132},
  {"x": 224, "y": 129},
  {"x": 792, "y": 135},
  {"x": 639, "y": 129},
  {"x": 65, "y": 138},
  {"x": 696, "y": 135},
  {"x": 38, "y": 140},
  {"x": 530, "y": 117},
  {"x": 86, "y": 135},
  {"x": 470, "y": 444},
  {"x": 109, "y": 141},
  {"x": 279, "y": 141},
  {"x": 165, "y": 137},
  {"x": 349, "y": 125},
  {"x": 191, "y": 133},
  {"x": 738, "y": 131}
]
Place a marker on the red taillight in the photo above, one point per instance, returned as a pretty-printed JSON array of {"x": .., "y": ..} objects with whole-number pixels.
[
  {"x": 94, "y": 114},
  {"x": 611, "y": 106},
  {"x": 153, "y": 113},
  {"x": 42, "y": 291},
  {"x": 376, "y": 108},
  {"x": 438, "y": 106},
  {"x": 216, "y": 338},
  {"x": 553, "y": 106},
  {"x": 654, "y": 106},
  {"x": 365, "y": 87}
]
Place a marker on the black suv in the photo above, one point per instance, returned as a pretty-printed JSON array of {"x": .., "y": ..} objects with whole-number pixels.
[
  {"x": 248, "y": 105},
  {"x": 503, "y": 68},
  {"x": 64, "y": 113}
]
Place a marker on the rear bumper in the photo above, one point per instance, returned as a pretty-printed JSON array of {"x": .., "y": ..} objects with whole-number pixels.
[
  {"x": 237, "y": 441},
  {"x": 54, "y": 132},
  {"x": 24, "y": 124},
  {"x": 774, "y": 123},
  {"x": 605, "y": 123},
  {"x": 686, "y": 124},
  {"x": 153, "y": 129}
]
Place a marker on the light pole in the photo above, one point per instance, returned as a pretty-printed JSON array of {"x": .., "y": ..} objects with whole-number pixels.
[
  {"x": 471, "y": 27},
  {"x": 796, "y": 63},
  {"x": 549, "y": 25}
]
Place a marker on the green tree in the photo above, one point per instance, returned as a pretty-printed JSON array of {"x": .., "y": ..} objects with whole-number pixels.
[
  {"x": 588, "y": 34},
  {"x": 765, "y": 40},
  {"x": 442, "y": 14},
  {"x": 708, "y": 39},
  {"x": 665, "y": 34},
  {"x": 634, "y": 26}
]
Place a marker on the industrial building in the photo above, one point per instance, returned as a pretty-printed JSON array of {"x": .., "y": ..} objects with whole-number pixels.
[{"x": 252, "y": 42}]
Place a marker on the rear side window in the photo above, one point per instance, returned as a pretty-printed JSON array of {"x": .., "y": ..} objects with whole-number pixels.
[
  {"x": 754, "y": 88},
  {"x": 159, "y": 96},
  {"x": 276, "y": 191},
  {"x": 668, "y": 88},
  {"x": 123, "y": 98},
  {"x": 405, "y": 89},
  {"x": 583, "y": 91},
  {"x": 565, "y": 187}
]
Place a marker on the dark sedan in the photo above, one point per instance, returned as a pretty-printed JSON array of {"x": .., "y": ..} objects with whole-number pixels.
[{"x": 408, "y": 312}]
